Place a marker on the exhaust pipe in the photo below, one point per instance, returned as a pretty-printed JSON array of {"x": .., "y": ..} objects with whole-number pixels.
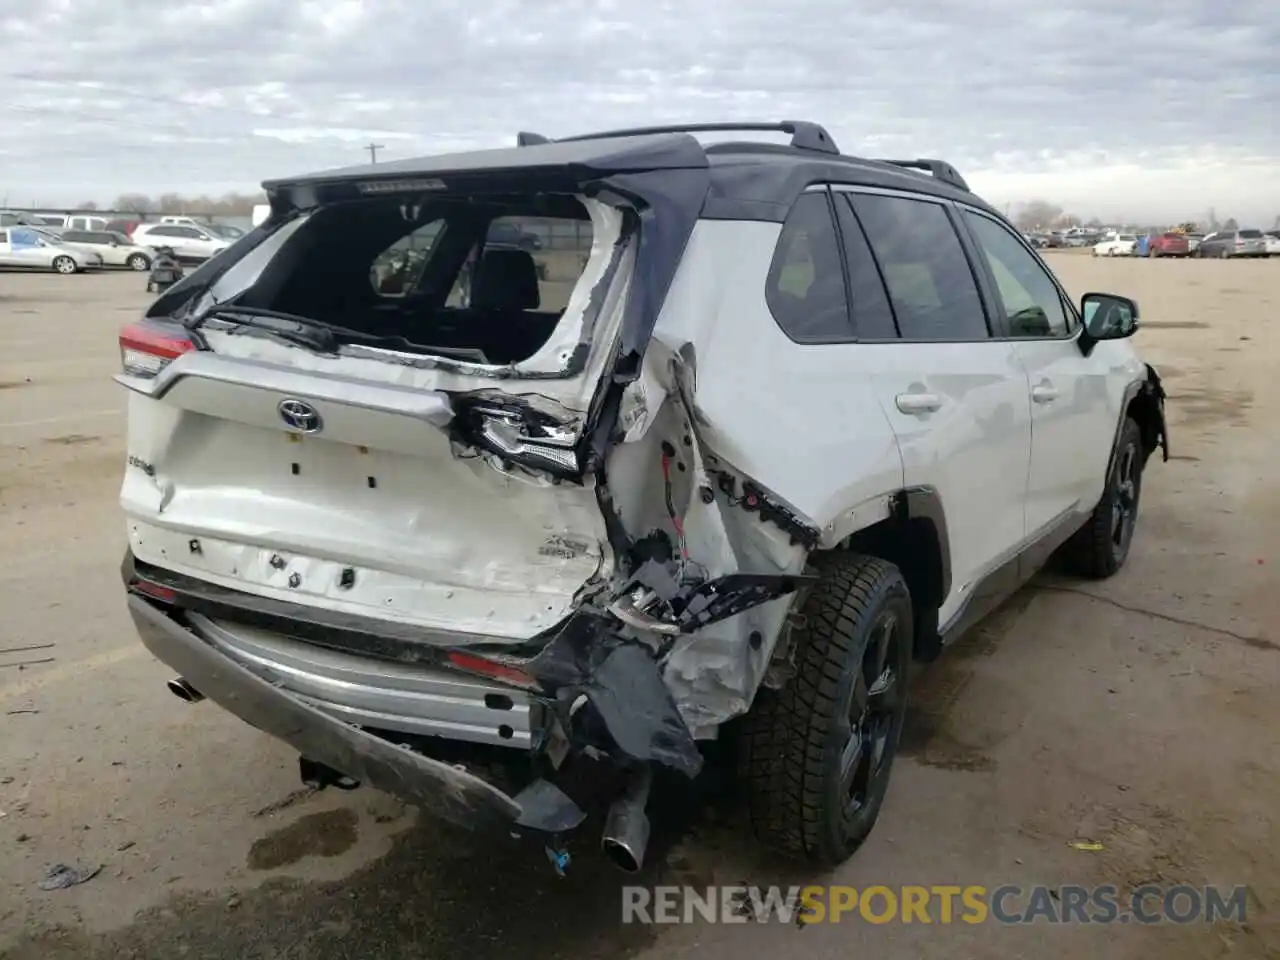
[
  {"x": 626, "y": 829},
  {"x": 184, "y": 691}
]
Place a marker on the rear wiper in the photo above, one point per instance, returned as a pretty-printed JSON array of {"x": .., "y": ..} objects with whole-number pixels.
[{"x": 303, "y": 331}]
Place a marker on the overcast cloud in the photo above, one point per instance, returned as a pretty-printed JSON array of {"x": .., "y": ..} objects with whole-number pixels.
[{"x": 1145, "y": 109}]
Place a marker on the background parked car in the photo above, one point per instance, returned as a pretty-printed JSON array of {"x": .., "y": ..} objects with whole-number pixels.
[
  {"x": 1271, "y": 243},
  {"x": 1233, "y": 243},
  {"x": 1116, "y": 245},
  {"x": 25, "y": 248},
  {"x": 189, "y": 242},
  {"x": 116, "y": 249},
  {"x": 223, "y": 230},
  {"x": 1169, "y": 245},
  {"x": 226, "y": 231},
  {"x": 1193, "y": 242},
  {"x": 506, "y": 234},
  {"x": 123, "y": 226},
  {"x": 54, "y": 235},
  {"x": 12, "y": 218}
]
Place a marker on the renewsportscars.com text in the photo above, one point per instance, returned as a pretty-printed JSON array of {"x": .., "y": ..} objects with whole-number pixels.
[{"x": 937, "y": 904}]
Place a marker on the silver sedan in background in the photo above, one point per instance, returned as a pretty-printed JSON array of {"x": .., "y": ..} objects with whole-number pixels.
[{"x": 26, "y": 248}]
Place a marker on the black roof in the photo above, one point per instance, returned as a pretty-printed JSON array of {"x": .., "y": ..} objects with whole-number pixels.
[{"x": 748, "y": 180}]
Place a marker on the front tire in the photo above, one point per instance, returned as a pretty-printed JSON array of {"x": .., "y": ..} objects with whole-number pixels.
[
  {"x": 138, "y": 262},
  {"x": 64, "y": 265},
  {"x": 1099, "y": 549},
  {"x": 816, "y": 755}
]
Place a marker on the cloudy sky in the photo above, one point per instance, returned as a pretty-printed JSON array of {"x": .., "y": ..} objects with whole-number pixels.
[{"x": 1108, "y": 107}]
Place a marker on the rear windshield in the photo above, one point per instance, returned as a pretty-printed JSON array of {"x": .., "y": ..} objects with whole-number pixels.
[
  {"x": 487, "y": 281},
  {"x": 1173, "y": 236},
  {"x": 1250, "y": 234}
]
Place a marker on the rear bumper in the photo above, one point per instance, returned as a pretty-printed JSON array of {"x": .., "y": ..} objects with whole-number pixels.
[{"x": 439, "y": 788}]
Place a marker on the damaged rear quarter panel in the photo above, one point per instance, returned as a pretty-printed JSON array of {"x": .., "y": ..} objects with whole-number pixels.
[{"x": 795, "y": 421}]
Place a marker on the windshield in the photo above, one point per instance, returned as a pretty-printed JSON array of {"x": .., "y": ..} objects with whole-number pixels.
[
  {"x": 226, "y": 231},
  {"x": 48, "y": 237}
]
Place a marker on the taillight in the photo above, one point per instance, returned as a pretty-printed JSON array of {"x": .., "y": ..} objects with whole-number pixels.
[
  {"x": 521, "y": 434},
  {"x": 147, "y": 348}
]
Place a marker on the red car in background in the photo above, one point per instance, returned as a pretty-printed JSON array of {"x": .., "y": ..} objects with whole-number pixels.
[
  {"x": 1169, "y": 245},
  {"x": 122, "y": 226}
]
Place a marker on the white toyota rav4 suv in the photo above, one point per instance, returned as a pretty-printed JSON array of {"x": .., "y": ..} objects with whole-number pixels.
[{"x": 757, "y": 425}]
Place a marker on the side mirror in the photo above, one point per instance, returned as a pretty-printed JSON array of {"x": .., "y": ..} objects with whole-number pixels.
[{"x": 1107, "y": 317}]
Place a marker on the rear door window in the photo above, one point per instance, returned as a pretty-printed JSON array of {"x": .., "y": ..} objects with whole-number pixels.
[
  {"x": 930, "y": 282},
  {"x": 805, "y": 288}
]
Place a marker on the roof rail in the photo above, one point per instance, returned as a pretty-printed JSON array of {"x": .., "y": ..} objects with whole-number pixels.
[
  {"x": 940, "y": 169},
  {"x": 804, "y": 134}
]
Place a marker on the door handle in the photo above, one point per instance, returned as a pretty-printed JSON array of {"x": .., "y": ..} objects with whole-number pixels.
[
  {"x": 1044, "y": 392},
  {"x": 918, "y": 403}
]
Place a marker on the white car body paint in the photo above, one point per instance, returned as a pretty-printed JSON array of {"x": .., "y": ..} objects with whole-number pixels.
[{"x": 498, "y": 555}]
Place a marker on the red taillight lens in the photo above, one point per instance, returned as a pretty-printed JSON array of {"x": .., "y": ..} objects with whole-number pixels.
[
  {"x": 503, "y": 672},
  {"x": 147, "y": 348}
]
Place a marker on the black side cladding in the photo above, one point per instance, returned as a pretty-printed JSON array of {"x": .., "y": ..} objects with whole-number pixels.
[
  {"x": 628, "y": 709},
  {"x": 1156, "y": 390}
]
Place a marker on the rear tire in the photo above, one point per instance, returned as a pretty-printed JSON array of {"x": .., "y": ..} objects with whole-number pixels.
[
  {"x": 138, "y": 262},
  {"x": 816, "y": 755},
  {"x": 1099, "y": 549},
  {"x": 64, "y": 265}
]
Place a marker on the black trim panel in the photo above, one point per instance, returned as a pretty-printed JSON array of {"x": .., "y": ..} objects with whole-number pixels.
[
  {"x": 1010, "y": 575},
  {"x": 925, "y": 503}
]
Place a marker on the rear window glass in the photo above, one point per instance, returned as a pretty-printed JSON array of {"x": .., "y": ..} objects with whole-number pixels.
[
  {"x": 476, "y": 279},
  {"x": 1251, "y": 234}
]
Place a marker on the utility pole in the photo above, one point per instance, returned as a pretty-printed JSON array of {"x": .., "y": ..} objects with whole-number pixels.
[{"x": 373, "y": 149}]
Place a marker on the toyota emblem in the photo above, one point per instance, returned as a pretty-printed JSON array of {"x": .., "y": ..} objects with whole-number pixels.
[{"x": 300, "y": 415}]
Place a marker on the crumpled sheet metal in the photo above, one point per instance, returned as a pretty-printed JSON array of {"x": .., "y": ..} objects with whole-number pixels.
[{"x": 613, "y": 686}]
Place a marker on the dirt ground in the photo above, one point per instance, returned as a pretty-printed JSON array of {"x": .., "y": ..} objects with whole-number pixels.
[{"x": 1141, "y": 713}]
